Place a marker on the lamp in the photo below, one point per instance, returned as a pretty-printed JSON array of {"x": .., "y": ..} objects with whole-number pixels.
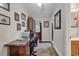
[{"x": 39, "y": 4}]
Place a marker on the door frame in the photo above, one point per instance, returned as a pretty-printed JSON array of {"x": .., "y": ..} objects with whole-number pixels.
[
  {"x": 41, "y": 40},
  {"x": 52, "y": 31}
]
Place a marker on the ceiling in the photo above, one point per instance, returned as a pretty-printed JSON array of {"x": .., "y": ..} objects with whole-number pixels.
[{"x": 34, "y": 10}]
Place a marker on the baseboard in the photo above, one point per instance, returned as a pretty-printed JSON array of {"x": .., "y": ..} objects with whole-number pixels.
[
  {"x": 57, "y": 50},
  {"x": 45, "y": 42}
]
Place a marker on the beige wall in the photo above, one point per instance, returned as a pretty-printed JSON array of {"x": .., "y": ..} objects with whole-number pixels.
[{"x": 9, "y": 33}]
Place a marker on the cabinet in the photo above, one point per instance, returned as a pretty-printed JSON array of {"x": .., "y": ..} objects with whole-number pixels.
[
  {"x": 75, "y": 48},
  {"x": 19, "y": 50},
  {"x": 20, "y": 47}
]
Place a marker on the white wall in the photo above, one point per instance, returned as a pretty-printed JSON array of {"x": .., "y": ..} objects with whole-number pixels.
[
  {"x": 60, "y": 35},
  {"x": 37, "y": 24},
  {"x": 9, "y": 33}
]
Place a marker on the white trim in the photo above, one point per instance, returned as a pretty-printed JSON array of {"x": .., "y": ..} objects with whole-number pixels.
[
  {"x": 59, "y": 53},
  {"x": 52, "y": 42}
]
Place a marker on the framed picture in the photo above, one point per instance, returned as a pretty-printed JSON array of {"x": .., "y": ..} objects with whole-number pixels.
[
  {"x": 16, "y": 16},
  {"x": 5, "y": 6},
  {"x": 46, "y": 23},
  {"x": 57, "y": 20},
  {"x": 23, "y": 24},
  {"x": 4, "y": 19},
  {"x": 18, "y": 26},
  {"x": 23, "y": 16}
]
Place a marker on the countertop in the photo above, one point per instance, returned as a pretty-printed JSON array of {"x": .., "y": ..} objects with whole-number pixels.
[
  {"x": 74, "y": 38},
  {"x": 20, "y": 42}
]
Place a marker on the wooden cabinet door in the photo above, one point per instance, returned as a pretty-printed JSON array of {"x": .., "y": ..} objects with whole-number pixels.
[
  {"x": 74, "y": 50},
  {"x": 13, "y": 51},
  {"x": 22, "y": 51}
]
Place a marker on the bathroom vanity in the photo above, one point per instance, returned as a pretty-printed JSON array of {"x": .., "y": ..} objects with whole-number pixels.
[{"x": 75, "y": 46}]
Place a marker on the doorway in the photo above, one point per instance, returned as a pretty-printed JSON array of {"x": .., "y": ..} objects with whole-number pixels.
[
  {"x": 52, "y": 31},
  {"x": 40, "y": 32}
]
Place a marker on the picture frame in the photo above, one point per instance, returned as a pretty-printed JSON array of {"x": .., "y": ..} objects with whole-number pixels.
[
  {"x": 18, "y": 26},
  {"x": 16, "y": 16},
  {"x": 46, "y": 23},
  {"x": 5, "y": 20},
  {"x": 23, "y": 16},
  {"x": 57, "y": 20},
  {"x": 23, "y": 24},
  {"x": 5, "y": 6}
]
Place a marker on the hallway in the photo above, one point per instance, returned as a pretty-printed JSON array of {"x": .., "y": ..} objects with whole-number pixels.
[{"x": 22, "y": 35}]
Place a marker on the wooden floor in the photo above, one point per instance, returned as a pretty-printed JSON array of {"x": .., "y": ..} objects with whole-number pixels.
[
  {"x": 46, "y": 52},
  {"x": 45, "y": 49}
]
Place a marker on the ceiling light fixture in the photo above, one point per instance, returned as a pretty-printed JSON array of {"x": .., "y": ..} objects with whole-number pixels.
[{"x": 39, "y": 4}]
